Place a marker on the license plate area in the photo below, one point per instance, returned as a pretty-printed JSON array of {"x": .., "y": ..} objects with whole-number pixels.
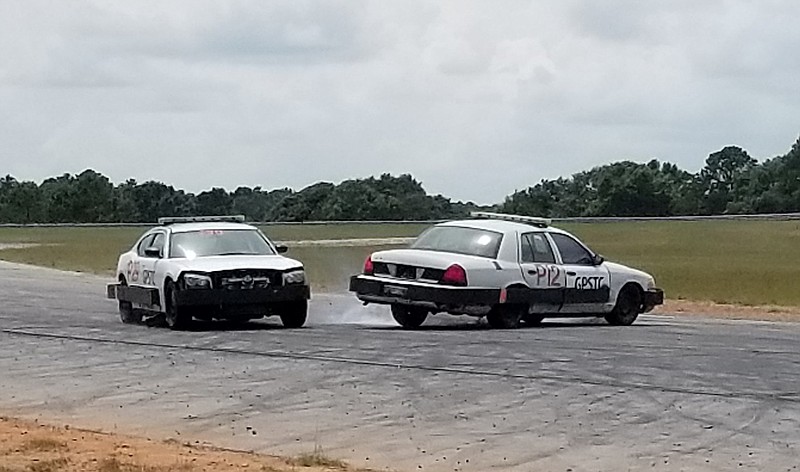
[{"x": 395, "y": 291}]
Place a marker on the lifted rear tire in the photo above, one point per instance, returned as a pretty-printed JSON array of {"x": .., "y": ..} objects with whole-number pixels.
[
  {"x": 409, "y": 317},
  {"x": 293, "y": 314},
  {"x": 532, "y": 319},
  {"x": 505, "y": 316},
  {"x": 127, "y": 313}
]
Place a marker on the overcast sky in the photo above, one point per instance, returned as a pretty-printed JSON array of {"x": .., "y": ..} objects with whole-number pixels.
[{"x": 475, "y": 99}]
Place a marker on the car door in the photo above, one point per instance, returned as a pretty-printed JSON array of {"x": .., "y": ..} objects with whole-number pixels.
[
  {"x": 587, "y": 284},
  {"x": 544, "y": 276},
  {"x": 149, "y": 256},
  {"x": 133, "y": 268}
]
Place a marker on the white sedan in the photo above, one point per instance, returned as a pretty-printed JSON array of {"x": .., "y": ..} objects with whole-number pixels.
[
  {"x": 209, "y": 268},
  {"x": 509, "y": 268}
]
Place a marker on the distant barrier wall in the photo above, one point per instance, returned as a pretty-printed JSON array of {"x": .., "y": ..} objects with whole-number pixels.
[{"x": 593, "y": 219}]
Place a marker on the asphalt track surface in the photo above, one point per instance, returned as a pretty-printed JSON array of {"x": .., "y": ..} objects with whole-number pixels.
[{"x": 664, "y": 394}]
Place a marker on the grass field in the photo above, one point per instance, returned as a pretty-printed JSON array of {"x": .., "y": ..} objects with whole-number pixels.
[
  {"x": 95, "y": 250},
  {"x": 742, "y": 262}
]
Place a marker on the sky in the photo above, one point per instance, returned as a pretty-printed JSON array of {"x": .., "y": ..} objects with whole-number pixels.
[{"x": 475, "y": 99}]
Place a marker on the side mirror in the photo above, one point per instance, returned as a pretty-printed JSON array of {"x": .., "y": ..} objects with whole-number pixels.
[
  {"x": 598, "y": 259},
  {"x": 152, "y": 251},
  {"x": 281, "y": 248}
]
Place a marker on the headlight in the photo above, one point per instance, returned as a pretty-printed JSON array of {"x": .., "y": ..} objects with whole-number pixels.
[
  {"x": 196, "y": 281},
  {"x": 294, "y": 277}
]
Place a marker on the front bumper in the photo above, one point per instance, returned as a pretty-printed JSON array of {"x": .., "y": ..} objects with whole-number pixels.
[
  {"x": 255, "y": 296},
  {"x": 653, "y": 297},
  {"x": 440, "y": 297},
  {"x": 211, "y": 297}
]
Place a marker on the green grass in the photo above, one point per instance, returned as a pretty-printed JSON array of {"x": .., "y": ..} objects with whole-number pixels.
[
  {"x": 743, "y": 262},
  {"x": 95, "y": 250}
]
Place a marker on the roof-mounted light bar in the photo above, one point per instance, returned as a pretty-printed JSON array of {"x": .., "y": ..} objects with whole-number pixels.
[
  {"x": 168, "y": 220},
  {"x": 531, "y": 220}
]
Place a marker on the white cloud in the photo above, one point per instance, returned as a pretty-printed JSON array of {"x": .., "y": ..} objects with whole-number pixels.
[{"x": 475, "y": 99}]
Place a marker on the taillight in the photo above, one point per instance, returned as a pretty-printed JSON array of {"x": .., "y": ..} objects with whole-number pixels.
[
  {"x": 369, "y": 269},
  {"x": 454, "y": 275}
]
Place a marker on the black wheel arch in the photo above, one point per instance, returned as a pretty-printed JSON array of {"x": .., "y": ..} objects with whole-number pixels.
[{"x": 632, "y": 287}]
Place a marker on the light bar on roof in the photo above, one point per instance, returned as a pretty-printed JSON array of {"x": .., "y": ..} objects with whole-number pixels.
[
  {"x": 531, "y": 220},
  {"x": 168, "y": 220}
]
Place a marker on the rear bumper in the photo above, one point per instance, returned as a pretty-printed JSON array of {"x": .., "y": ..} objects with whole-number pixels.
[
  {"x": 653, "y": 297},
  {"x": 139, "y": 295},
  {"x": 437, "y": 297}
]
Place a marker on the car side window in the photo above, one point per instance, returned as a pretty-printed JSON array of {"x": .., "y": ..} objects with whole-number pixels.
[
  {"x": 536, "y": 248},
  {"x": 144, "y": 244},
  {"x": 572, "y": 252},
  {"x": 158, "y": 242}
]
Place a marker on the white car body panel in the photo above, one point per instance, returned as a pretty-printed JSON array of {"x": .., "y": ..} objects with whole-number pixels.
[
  {"x": 589, "y": 288},
  {"x": 153, "y": 272}
]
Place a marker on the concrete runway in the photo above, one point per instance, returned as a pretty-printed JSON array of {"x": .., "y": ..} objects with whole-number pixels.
[{"x": 664, "y": 394}]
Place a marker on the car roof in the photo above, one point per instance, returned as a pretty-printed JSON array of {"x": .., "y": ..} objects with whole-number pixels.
[
  {"x": 500, "y": 226},
  {"x": 206, "y": 226}
]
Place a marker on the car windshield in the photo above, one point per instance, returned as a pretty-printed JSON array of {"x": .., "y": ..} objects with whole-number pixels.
[
  {"x": 471, "y": 241},
  {"x": 218, "y": 242}
]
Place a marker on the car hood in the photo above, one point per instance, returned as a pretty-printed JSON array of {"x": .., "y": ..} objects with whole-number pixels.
[
  {"x": 218, "y": 263},
  {"x": 430, "y": 259},
  {"x": 615, "y": 268}
]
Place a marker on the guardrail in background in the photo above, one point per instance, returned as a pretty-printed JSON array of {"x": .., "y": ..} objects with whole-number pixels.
[{"x": 577, "y": 219}]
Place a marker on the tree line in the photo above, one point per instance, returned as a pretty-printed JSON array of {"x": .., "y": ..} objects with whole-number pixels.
[
  {"x": 731, "y": 182},
  {"x": 90, "y": 197}
]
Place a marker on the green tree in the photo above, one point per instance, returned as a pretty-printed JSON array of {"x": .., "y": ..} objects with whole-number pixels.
[{"x": 724, "y": 176}]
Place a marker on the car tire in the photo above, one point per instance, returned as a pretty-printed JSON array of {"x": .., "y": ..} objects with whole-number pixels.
[
  {"x": 409, "y": 317},
  {"x": 533, "y": 319},
  {"x": 127, "y": 313},
  {"x": 505, "y": 316},
  {"x": 175, "y": 316},
  {"x": 294, "y": 314},
  {"x": 628, "y": 307}
]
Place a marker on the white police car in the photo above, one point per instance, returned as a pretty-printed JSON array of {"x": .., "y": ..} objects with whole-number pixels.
[
  {"x": 209, "y": 268},
  {"x": 508, "y": 268}
]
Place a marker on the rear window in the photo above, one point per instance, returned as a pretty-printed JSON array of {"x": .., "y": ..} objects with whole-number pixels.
[{"x": 470, "y": 241}]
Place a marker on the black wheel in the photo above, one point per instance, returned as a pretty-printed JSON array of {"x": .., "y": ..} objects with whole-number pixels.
[
  {"x": 126, "y": 312},
  {"x": 628, "y": 307},
  {"x": 533, "y": 319},
  {"x": 505, "y": 316},
  {"x": 175, "y": 316},
  {"x": 293, "y": 314},
  {"x": 409, "y": 317}
]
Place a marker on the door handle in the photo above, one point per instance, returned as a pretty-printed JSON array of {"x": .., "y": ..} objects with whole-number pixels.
[
  {"x": 532, "y": 272},
  {"x": 569, "y": 272}
]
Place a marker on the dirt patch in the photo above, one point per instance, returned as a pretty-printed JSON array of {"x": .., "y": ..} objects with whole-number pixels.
[
  {"x": 731, "y": 312},
  {"x": 32, "y": 447}
]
